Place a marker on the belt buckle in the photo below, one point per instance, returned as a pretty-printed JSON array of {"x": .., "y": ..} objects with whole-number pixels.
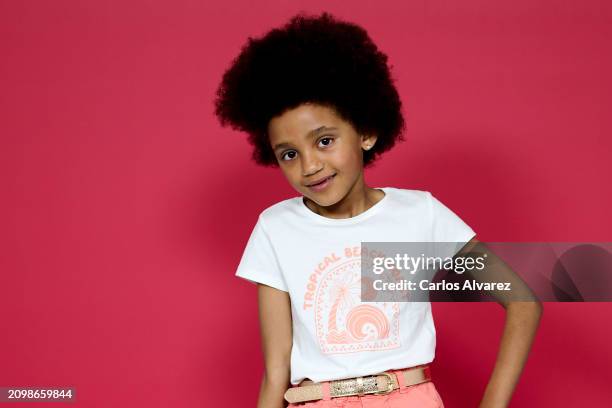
[{"x": 389, "y": 384}]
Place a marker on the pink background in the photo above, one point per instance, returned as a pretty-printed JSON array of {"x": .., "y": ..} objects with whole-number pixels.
[{"x": 125, "y": 207}]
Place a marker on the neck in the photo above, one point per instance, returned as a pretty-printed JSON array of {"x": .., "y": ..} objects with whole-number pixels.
[{"x": 359, "y": 199}]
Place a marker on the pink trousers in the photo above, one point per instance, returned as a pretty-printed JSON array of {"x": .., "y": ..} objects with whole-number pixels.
[{"x": 424, "y": 395}]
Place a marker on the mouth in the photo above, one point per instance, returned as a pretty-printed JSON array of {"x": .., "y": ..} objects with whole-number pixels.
[{"x": 322, "y": 184}]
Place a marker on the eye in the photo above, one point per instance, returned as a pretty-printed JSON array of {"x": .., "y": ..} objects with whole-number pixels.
[
  {"x": 282, "y": 157},
  {"x": 287, "y": 152},
  {"x": 327, "y": 138}
]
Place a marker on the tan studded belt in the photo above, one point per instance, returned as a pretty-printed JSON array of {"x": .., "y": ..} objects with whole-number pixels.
[{"x": 382, "y": 383}]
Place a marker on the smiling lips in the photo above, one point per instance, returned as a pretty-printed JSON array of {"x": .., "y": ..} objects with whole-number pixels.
[
  {"x": 320, "y": 185},
  {"x": 319, "y": 180}
]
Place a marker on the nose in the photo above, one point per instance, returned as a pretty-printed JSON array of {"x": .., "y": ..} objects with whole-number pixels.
[{"x": 310, "y": 164}]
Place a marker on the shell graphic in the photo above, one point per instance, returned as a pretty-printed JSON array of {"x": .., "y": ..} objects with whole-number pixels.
[
  {"x": 344, "y": 324},
  {"x": 366, "y": 322}
]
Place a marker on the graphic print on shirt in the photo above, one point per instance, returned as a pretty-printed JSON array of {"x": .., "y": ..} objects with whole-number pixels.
[{"x": 344, "y": 324}]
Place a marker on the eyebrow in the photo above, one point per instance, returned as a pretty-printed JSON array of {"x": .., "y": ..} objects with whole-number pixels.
[{"x": 310, "y": 134}]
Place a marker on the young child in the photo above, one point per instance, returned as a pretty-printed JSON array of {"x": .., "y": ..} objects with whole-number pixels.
[{"x": 317, "y": 100}]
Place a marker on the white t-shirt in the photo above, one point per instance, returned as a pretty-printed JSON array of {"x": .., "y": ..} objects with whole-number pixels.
[{"x": 317, "y": 260}]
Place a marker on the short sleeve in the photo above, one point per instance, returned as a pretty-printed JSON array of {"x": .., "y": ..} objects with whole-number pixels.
[
  {"x": 259, "y": 263},
  {"x": 448, "y": 227}
]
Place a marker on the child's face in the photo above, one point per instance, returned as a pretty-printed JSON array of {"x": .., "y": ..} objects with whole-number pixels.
[{"x": 310, "y": 143}]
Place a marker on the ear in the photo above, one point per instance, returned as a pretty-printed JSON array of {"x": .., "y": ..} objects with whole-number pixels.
[{"x": 368, "y": 141}]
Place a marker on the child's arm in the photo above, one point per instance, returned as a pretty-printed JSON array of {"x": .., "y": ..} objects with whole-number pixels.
[
  {"x": 277, "y": 338},
  {"x": 522, "y": 319}
]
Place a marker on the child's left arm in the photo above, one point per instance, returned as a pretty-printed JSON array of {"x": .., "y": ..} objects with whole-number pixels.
[{"x": 522, "y": 319}]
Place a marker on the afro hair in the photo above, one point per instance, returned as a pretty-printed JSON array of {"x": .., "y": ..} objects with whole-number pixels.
[{"x": 311, "y": 59}]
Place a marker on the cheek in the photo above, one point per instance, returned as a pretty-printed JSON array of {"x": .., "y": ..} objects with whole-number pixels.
[
  {"x": 292, "y": 174},
  {"x": 349, "y": 159}
]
